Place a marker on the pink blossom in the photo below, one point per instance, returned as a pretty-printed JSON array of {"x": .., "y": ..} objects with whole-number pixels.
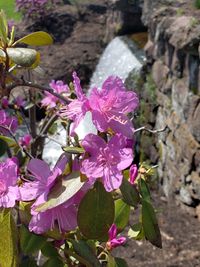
[
  {"x": 60, "y": 88},
  {"x": 106, "y": 160},
  {"x": 19, "y": 102},
  {"x": 9, "y": 192},
  {"x": 43, "y": 181},
  {"x": 7, "y": 121},
  {"x": 25, "y": 140},
  {"x": 77, "y": 109},
  {"x": 63, "y": 216},
  {"x": 133, "y": 173},
  {"x": 113, "y": 241},
  {"x": 110, "y": 106}
]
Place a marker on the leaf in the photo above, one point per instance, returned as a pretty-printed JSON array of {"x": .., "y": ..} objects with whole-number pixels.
[
  {"x": 120, "y": 262},
  {"x": 63, "y": 190},
  {"x": 3, "y": 27},
  {"x": 39, "y": 38},
  {"x": 24, "y": 212},
  {"x": 144, "y": 190},
  {"x": 122, "y": 212},
  {"x": 3, "y": 147},
  {"x": 30, "y": 242},
  {"x": 150, "y": 224},
  {"x": 82, "y": 249},
  {"x": 54, "y": 262},
  {"x": 74, "y": 150},
  {"x": 49, "y": 251},
  {"x": 8, "y": 140},
  {"x": 28, "y": 263},
  {"x": 116, "y": 262},
  {"x": 96, "y": 213},
  {"x": 24, "y": 57},
  {"x": 129, "y": 193},
  {"x": 136, "y": 231},
  {"x": 8, "y": 240}
]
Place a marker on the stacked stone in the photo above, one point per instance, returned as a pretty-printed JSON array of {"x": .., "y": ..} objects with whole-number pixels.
[{"x": 173, "y": 50}]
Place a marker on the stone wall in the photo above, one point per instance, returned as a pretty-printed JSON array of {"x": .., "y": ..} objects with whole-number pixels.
[{"x": 173, "y": 52}]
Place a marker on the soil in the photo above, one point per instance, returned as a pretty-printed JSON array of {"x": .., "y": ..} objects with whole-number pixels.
[{"x": 180, "y": 237}]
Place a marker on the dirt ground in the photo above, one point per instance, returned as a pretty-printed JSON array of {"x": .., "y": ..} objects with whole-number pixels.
[{"x": 180, "y": 236}]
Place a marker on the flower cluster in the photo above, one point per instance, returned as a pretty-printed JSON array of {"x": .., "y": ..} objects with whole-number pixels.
[
  {"x": 7, "y": 121},
  {"x": 35, "y": 8},
  {"x": 64, "y": 215},
  {"x": 9, "y": 191},
  {"x": 58, "y": 87},
  {"x": 109, "y": 108}
]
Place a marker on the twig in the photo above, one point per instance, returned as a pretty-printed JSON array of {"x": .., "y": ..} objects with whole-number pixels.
[
  {"x": 39, "y": 87},
  {"x": 149, "y": 130},
  {"x": 15, "y": 139}
]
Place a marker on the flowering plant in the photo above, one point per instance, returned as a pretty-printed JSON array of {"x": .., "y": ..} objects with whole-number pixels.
[
  {"x": 71, "y": 214},
  {"x": 32, "y": 9}
]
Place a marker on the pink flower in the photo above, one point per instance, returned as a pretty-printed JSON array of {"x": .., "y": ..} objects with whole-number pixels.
[
  {"x": 77, "y": 109},
  {"x": 9, "y": 192},
  {"x": 60, "y": 88},
  {"x": 7, "y": 121},
  {"x": 19, "y": 102},
  {"x": 43, "y": 181},
  {"x": 63, "y": 216},
  {"x": 106, "y": 160},
  {"x": 110, "y": 106},
  {"x": 133, "y": 173},
  {"x": 25, "y": 140},
  {"x": 114, "y": 242}
]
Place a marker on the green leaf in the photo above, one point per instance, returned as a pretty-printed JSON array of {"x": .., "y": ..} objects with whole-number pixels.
[
  {"x": 28, "y": 263},
  {"x": 74, "y": 150},
  {"x": 54, "y": 262},
  {"x": 144, "y": 190},
  {"x": 122, "y": 212},
  {"x": 63, "y": 190},
  {"x": 12, "y": 36},
  {"x": 8, "y": 240},
  {"x": 39, "y": 38},
  {"x": 3, "y": 147},
  {"x": 136, "y": 232},
  {"x": 24, "y": 57},
  {"x": 3, "y": 27},
  {"x": 120, "y": 262},
  {"x": 30, "y": 242},
  {"x": 150, "y": 224},
  {"x": 8, "y": 140},
  {"x": 82, "y": 249},
  {"x": 53, "y": 129},
  {"x": 96, "y": 213},
  {"x": 116, "y": 262},
  {"x": 129, "y": 193},
  {"x": 49, "y": 251}
]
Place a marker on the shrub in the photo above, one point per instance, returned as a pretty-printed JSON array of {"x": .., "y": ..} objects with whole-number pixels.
[
  {"x": 197, "y": 4},
  {"x": 33, "y": 9}
]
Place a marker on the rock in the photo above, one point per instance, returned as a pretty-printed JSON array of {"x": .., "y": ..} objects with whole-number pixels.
[
  {"x": 194, "y": 122},
  {"x": 173, "y": 52},
  {"x": 179, "y": 96},
  {"x": 185, "y": 196},
  {"x": 159, "y": 73},
  {"x": 195, "y": 185},
  {"x": 198, "y": 212}
]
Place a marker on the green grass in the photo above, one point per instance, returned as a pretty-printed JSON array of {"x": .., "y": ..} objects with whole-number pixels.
[{"x": 9, "y": 8}]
